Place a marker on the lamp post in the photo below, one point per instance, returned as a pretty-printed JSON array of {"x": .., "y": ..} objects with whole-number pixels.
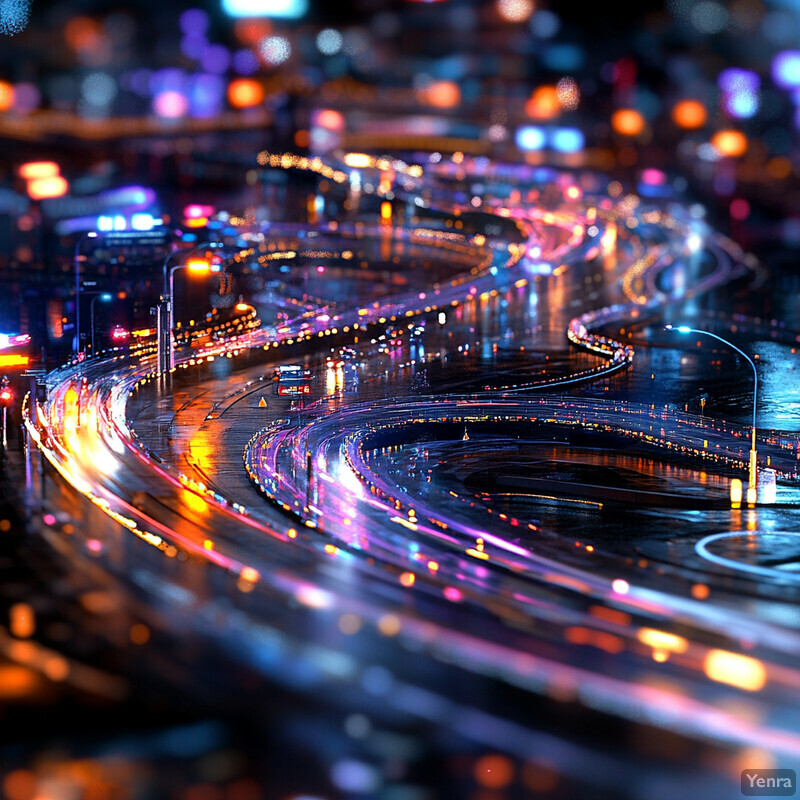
[
  {"x": 77, "y": 264},
  {"x": 161, "y": 321},
  {"x": 105, "y": 297},
  {"x": 6, "y": 396},
  {"x": 752, "y": 485},
  {"x": 196, "y": 265}
]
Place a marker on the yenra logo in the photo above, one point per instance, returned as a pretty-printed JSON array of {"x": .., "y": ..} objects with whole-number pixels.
[{"x": 769, "y": 782}]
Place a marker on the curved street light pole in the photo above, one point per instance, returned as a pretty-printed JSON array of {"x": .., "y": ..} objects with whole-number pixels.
[
  {"x": 163, "y": 326},
  {"x": 753, "y": 477},
  {"x": 166, "y": 350},
  {"x": 171, "y": 316}
]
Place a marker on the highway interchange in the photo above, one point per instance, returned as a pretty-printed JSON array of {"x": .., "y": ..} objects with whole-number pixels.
[{"x": 338, "y": 542}]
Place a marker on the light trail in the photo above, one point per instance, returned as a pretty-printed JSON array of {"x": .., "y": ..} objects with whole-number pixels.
[{"x": 359, "y": 540}]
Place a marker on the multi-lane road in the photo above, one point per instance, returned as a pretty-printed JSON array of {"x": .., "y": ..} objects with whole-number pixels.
[{"x": 443, "y": 509}]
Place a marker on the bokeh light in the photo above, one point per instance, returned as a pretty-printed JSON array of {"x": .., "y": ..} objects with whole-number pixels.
[
  {"x": 545, "y": 24},
  {"x": 14, "y": 16},
  {"x": 82, "y": 33},
  {"x": 286, "y": 9},
  {"x": 543, "y": 103},
  {"x": 275, "y": 49},
  {"x": 689, "y": 114},
  {"x": 355, "y": 777},
  {"x": 494, "y": 771},
  {"x": 741, "y": 105},
  {"x": 569, "y": 94},
  {"x": 627, "y": 122},
  {"x": 19, "y": 784},
  {"x": 530, "y": 137},
  {"x": 194, "y": 21},
  {"x": 735, "y": 669},
  {"x": 328, "y": 118},
  {"x": 440, "y": 94},
  {"x": 709, "y": 17},
  {"x": 33, "y": 170},
  {"x": 205, "y": 95},
  {"x": 98, "y": 89},
  {"x": 515, "y": 10},
  {"x": 244, "y": 93},
  {"x": 729, "y": 143},
  {"x": 329, "y": 41},
  {"x": 497, "y": 133},
  {"x": 89, "y": 40},
  {"x": 740, "y": 92},
  {"x": 170, "y": 104},
  {"x": 252, "y": 31},
  {"x": 567, "y": 140},
  {"x": 46, "y": 188},
  {"x": 245, "y": 62},
  {"x": 786, "y": 69},
  {"x": 193, "y": 45},
  {"x": 739, "y": 208},
  {"x": 215, "y": 58},
  {"x": 6, "y": 96},
  {"x": 27, "y": 98},
  {"x": 735, "y": 79}
]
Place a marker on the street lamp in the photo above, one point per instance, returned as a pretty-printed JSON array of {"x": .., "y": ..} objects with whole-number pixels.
[
  {"x": 752, "y": 482},
  {"x": 6, "y": 396},
  {"x": 104, "y": 297},
  {"x": 77, "y": 263},
  {"x": 195, "y": 265}
]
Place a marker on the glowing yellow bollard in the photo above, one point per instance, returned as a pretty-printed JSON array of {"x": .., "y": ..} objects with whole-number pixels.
[{"x": 736, "y": 493}]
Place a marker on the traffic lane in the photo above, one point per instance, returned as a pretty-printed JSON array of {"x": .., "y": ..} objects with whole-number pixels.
[
  {"x": 474, "y": 648},
  {"x": 317, "y": 584}
]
